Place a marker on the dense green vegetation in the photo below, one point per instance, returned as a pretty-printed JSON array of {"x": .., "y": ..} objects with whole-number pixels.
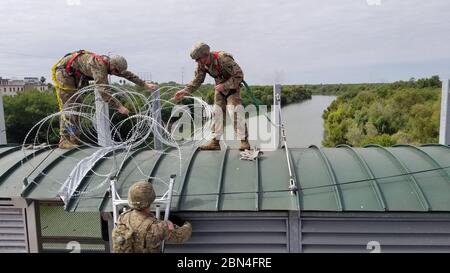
[
  {"x": 385, "y": 114},
  {"x": 339, "y": 89},
  {"x": 24, "y": 110}
]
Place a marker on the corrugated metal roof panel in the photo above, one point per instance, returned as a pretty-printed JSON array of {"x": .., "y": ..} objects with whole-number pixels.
[
  {"x": 373, "y": 178},
  {"x": 312, "y": 172},
  {"x": 48, "y": 183},
  {"x": 96, "y": 183},
  {"x": 395, "y": 187},
  {"x": 347, "y": 167},
  {"x": 240, "y": 185},
  {"x": 273, "y": 194},
  {"x": 203, "y": 182},
  {"x": 16, "y": 166},
  {"x": 434, "y": 184}
]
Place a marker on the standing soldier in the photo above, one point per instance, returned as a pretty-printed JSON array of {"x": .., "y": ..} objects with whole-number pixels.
[
  {"x": 138, "y": 231},
  {"x": 73, "y": 72},
  {"x": 228, "y": 76}
]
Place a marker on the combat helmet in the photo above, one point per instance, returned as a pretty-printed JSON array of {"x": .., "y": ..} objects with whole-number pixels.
[
  {"x": 141, "y": 195},
  {"x": 199, "y": 50},
  {"x": 118, "y": 62}
]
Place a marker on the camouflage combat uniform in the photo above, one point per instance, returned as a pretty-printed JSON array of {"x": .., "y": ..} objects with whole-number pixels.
[
  {"x": 91, "y": 69},
  {"x": 225, "y": 71},
  {"x": 150, "y": 232}
]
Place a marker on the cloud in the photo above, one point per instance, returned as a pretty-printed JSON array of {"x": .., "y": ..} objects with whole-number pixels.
[{"x": 295, "y": 41}]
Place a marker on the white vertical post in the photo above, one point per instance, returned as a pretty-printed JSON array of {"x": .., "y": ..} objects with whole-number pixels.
[
  {"x": 276, "y": 117},
  {"x": 444, "y": 127},
  {"x": 33, "y": 227},
  {"x": 168, "y": 204},
  {"x": 156, "y": 111},
  {"x": 158, "y": 212},
  {"x": 112, "y": 188},
  {"x": 169, "y": 197},
  {"x": 2, "y": 122},
  {"x": 102, "y": 119}
]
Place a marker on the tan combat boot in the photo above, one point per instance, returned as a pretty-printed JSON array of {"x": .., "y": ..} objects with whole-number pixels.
[
  {"x": 213, "y": 145},
  {"x": 244, "y": 145},
  {"x": 65, "y": 143}
]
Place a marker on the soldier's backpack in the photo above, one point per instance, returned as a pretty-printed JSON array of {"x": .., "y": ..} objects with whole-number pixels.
[{"x": 129, "y": 240}]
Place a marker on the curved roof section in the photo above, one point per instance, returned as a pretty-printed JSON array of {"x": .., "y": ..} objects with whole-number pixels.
[{"x": 373, "y": 178}]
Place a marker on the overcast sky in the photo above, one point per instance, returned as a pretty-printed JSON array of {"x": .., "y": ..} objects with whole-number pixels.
[{"x": 286, "y": 41}]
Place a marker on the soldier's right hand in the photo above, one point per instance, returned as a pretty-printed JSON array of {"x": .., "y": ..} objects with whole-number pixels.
[
  {"x": 151, "y": 86},
  {"x": 180, "y": 94},
  {"x": 123, "y": 110}
]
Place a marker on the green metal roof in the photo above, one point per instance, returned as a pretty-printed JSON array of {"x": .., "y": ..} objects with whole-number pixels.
[{"x": 373, "y": 178}]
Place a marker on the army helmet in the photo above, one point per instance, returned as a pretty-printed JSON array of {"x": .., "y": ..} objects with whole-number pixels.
[
  {"x": 119, "y": 63},
  {"x": 141, "y": 195},
  {"x": 199, "y": 50}
]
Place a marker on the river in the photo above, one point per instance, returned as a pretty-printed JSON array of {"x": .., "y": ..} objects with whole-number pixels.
[{"x": 303, "y": 122}]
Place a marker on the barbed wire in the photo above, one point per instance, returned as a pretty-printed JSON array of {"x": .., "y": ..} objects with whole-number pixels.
[{"x": 139, "y": 130}]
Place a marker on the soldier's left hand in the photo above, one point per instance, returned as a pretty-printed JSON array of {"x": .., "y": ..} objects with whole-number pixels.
[
  {"x": 151, "y": 86},
  {"x": 180, "y": 94},
  {"x": 170, "y": 225},
  {"x": 219, "y": 88},
  {"x": 123, "y": 110}
]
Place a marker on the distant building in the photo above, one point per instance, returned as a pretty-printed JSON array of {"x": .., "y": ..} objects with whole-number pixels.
[{"x": 11, "y": 87}]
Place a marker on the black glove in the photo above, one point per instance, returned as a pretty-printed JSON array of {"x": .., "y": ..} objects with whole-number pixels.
[{"x": 176, "y": 220}]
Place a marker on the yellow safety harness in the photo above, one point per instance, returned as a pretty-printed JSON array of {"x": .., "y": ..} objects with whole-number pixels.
[{"x": 59, "y": 86}]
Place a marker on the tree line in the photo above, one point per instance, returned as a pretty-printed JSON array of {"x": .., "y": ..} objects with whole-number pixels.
[{"x": 406, "y": 112}]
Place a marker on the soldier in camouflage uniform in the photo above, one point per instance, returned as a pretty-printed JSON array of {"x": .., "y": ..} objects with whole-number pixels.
[
  {"x": 73, "y": 72},
  {"x": 228, "y": 76},
  {"x": 149, "y": 232}
]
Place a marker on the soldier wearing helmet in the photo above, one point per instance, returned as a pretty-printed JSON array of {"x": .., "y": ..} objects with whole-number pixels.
[
  {"x": 228, "y": 77},
  {"x": 147, "y": 231},
  {"x": 73, "y": 72}
]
